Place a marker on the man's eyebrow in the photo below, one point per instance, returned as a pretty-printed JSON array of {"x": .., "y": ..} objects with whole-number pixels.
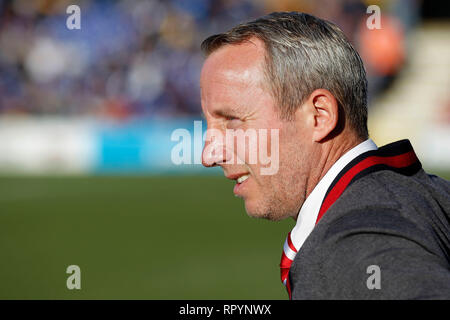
[{"x": 228, "y": 112}]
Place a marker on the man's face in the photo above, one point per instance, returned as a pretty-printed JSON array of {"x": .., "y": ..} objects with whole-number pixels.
[{"x": 235, "y": 95}]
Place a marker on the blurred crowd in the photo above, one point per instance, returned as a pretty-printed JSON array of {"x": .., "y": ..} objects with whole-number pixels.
[{"x": 134, "y": 58}]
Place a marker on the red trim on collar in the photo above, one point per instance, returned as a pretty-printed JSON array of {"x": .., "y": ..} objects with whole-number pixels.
[{"x": 399, "y": 161}]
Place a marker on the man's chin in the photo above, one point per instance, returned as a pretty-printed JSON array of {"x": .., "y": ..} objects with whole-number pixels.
[{"x": 256, "y": 210}]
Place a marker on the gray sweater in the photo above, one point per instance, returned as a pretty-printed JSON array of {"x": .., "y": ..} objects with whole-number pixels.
[{"x": 386, "y": 237}]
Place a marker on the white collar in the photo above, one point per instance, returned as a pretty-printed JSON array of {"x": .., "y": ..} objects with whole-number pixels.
[{"x": 309, "y": 211}]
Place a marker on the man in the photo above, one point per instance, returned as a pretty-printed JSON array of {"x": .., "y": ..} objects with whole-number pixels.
[{"x": 371, "y": 224}]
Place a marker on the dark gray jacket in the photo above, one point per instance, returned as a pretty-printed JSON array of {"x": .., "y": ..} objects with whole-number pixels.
[{"x": 386, "y": 221}]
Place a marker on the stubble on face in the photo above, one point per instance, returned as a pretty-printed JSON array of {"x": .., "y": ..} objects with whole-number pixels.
[{"x": 285, "y": 191}]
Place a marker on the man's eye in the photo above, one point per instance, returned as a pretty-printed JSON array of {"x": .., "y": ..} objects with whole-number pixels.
[{"x": 233, "y": 122}]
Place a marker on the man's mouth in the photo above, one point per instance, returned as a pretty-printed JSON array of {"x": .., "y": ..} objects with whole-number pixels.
[
  {"x": 242, "y": 178},
  {"x": 240, "y": 184}
]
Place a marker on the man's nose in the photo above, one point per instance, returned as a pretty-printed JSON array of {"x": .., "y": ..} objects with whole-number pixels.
[{"x": 213, "y": 153}]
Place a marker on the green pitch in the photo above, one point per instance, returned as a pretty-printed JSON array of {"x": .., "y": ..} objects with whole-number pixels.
[{"x": 135, "y": 238}]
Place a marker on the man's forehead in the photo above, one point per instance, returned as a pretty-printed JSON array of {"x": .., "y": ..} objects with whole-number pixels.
[{"x": 237, "y": 62}]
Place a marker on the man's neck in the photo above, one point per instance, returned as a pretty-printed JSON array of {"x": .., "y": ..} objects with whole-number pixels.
[{"x": 329, "y": 152}]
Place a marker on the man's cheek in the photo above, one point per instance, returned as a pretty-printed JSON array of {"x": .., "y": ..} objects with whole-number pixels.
[{"x": 269, "y": 151}]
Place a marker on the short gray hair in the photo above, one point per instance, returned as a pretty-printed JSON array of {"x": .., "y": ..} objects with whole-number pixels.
[{"x": 304, "y": 53}]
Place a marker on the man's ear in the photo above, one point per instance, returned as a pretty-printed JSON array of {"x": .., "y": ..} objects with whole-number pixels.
[{"x": 325, "y": 113}]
